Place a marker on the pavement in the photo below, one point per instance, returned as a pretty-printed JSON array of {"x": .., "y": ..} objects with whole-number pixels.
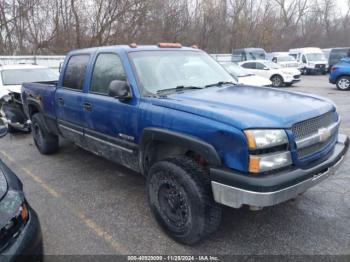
[{"x": 88, "y": 205}]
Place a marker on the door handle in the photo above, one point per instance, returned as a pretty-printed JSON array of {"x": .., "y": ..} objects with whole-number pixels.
[
  {"x": 60, "y": 101},
  {"x": 87, "y": 107}
]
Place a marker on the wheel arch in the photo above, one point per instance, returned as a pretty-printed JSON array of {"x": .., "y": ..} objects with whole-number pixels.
[
  {"x": 340, "y": 76},
  {"x": 33, "y": 108},
  {"x": 276, "y": 74},
  {"x": 156, "y": 144}
]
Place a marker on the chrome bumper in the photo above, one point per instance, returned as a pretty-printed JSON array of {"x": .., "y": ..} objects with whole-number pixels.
[{"x": 236, "y": 197}]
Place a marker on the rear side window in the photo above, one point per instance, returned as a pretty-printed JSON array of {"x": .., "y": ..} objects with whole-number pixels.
[
  {"x": 108, "y": 67},
  {"x": 249, "y": 65},
  {"x": 75, "y": 72},
  {"x": 260, "y": 66}
]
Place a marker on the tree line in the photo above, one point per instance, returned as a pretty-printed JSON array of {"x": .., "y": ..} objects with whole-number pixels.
[{"x": 217, "y": 26}]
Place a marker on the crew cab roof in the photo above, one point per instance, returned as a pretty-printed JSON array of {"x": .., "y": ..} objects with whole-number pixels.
[{"x": 127, "y": 48}]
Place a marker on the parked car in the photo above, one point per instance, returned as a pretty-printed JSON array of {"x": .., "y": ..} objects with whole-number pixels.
[
  {"x": 244, "y": 77},
  {"x": 20, "y": 232},
  {"x": 284, "y": 59},
  {"x": 311, "y": 60},
  {"x": 278, "y": 75},
  {"x": 336, "y": 54},
  {"x": 11, "y": 79},
  {"x": 340, "y": 74},
  {"x": 244, "y": 54},
  {"x": 174, "y": 114}
]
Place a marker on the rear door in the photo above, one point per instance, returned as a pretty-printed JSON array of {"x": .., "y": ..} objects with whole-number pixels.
[
  {"x": 70, "y": 97},
  {"x": 262, "y": 70}
]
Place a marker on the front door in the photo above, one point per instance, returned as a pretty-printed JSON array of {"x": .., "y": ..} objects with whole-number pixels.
[
  {"x": 69, "y": 98},
  {"x": 110, "y": 123}
]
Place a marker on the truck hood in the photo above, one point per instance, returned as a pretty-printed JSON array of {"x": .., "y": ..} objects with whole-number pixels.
[{"x": 247, "y": 106}]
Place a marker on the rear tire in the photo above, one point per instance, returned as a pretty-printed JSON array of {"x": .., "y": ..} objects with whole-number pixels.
[
  {"x": 277, "y": 81},
  {"x": 343, "y": 83},
  {"x": 180, "y": 198},
  {"x": 46, "y": 142}
]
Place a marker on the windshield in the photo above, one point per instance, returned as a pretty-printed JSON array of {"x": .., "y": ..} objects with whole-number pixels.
[
  {"x": 20, "y": 76},
  {"x": 272, "y": 65},
  {"x": 162, "y": 70},
  {"x": 286, "y": 58},
  {"x": 315, "y": 57},
  {"x": 235, "y": 70}
]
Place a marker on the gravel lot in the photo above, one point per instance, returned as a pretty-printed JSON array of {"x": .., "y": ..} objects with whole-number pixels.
[{"x": 88, "y": 205}]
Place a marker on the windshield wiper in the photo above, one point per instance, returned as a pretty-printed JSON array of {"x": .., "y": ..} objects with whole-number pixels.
[
  {"x": 221, "y": 83},
  {"x": 178, "y": 88}
]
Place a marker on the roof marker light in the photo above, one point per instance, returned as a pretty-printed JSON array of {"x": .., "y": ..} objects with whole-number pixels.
[{"x": 169, "y": 45}]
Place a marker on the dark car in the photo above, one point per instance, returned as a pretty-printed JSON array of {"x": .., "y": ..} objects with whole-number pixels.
[
  {"x": 20, "y": 231},
  {"x": 336, "y": 54}
]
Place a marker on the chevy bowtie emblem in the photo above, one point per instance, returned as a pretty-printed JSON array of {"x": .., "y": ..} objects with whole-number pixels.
[{"x": 324, "y": 134}]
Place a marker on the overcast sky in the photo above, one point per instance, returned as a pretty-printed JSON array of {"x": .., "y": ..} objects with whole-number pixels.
[{"x": 342, "y": 5}]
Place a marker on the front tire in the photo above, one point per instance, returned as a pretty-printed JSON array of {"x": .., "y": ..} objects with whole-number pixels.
[
  {"x": 180, "y": 198},
  {"x": 46, "y": 142},
  {"x": 343, "y": 83},
  {"x": 277, "y": 81}
]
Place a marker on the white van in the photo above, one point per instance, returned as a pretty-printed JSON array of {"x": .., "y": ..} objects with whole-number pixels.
[
  {"x": 310, "y": 59},
  {"x": 283, "y": 59}
]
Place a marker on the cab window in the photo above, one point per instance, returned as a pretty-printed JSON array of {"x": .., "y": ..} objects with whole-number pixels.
[
  {"x": 108, "y": 67},
  {"x": 75, "y": 72}
]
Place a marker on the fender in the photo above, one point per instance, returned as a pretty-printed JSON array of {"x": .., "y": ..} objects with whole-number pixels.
[
  {"x": 187, "y": 141},
  {"x": 49, "y": 121}
]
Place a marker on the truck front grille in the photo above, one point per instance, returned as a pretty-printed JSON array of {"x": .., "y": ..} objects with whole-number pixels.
[{"x": 311, "y": 127}]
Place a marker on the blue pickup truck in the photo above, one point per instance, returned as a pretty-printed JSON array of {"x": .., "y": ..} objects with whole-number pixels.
[
  {"x": 340, "y": 74},
  {"x": 176, "y": 116}
]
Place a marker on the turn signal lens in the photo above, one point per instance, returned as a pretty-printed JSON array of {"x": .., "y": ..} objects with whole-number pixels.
[
  {"x": 265, "y": 138},
  {"x": 24, "y": 212},
  {"x": 254, "y": 164},
  {"x": 250, "y": 139}
]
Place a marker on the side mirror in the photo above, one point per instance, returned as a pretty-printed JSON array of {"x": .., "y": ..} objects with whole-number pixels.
[
  {"x": 119, "y": 90},
  {"x": 266, "y": 68},
  {"x": 3, "y": 128}
]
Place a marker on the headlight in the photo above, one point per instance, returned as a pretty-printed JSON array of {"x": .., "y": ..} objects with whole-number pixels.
[
  {"x": 263, "y": 163},
  {"x": 260, "y": 139}
]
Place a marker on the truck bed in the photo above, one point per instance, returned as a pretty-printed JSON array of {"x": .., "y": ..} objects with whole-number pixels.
[{"x": 42, "y": 93}]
